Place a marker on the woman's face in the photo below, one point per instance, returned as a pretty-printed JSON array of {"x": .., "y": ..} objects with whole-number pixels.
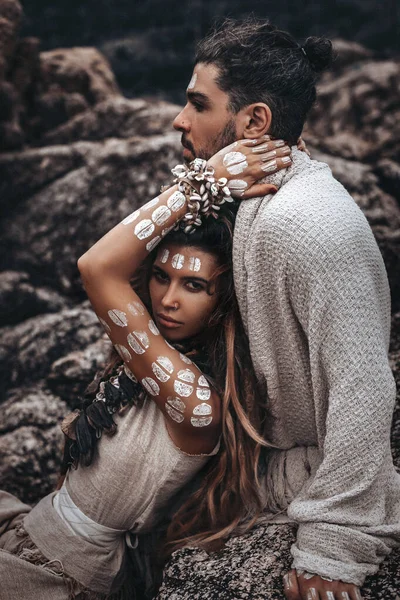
[{"x": 182, "y": 290}]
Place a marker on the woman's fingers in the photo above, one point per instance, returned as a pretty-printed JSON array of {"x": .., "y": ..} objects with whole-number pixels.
[
  {"x": 258, "y": 190},
  {"x": 291, "y": 586}
]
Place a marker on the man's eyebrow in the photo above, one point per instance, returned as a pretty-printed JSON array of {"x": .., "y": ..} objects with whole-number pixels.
[{"x": 198, "y": 97}]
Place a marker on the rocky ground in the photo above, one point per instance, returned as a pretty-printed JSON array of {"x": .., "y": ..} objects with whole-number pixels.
[{"x": 75, "y": 158}]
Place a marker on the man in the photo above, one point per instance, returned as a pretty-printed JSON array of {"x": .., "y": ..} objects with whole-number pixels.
[{"x": 314, "y": 298}]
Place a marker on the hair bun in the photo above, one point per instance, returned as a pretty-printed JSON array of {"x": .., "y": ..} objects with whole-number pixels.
[{"x": 319, "y": 52}]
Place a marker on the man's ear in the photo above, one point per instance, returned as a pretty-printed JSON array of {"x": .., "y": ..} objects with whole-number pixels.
[{"x": 256, "y": 120}]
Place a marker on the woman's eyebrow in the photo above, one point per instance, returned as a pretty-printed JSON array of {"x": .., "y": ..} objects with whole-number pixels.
[{"x": 191, "y": 278}]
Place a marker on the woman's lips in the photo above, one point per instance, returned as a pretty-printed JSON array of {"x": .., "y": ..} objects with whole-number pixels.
[{"x": 167, "y": 323}]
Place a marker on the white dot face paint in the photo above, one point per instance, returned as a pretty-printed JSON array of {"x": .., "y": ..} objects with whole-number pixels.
[
  {"x": 185, "y": 359},
  {"x": 178, "y": 261},
  {"x": 174, "y": 414},
  {"x": 192, "y": 82},
  {"x": 131, "y": 218},
  {"x": 165, "y": 363},
  {"x": 138, "y": 341},
  {"x": 118, "y": 317},
  {"x": 176, "y": 201},
  {"x": 159, "y": 373},
  {"x": 144, "y": 229},
  {"x": 123, "y": 352},
  {"x": 151, "y": 386},
  {"x": 183, "y": 389},
  {"x": 153, "y": 243},
  {"x": 186, "y": 375},
  {"x": 202, "y": 409},
  {"x": 153, "y": 328},
  {"x": 194, "y": 264},
  {"x": 105, "y": 325},
  {"x": 161, "y": 215},
  {"x": 135, "y": 308},
  {"x": 200, "y": 421},
  {"x": 164, "y": 256},
  {"x": 152, "y": 203},
  {"x": 176, "y": 403}
]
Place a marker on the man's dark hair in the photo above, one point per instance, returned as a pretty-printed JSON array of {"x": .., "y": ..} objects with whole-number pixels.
[{"x": 259, "y": 63}]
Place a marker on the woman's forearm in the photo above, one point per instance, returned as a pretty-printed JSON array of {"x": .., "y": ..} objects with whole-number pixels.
[{"x": 119, "y": 253}]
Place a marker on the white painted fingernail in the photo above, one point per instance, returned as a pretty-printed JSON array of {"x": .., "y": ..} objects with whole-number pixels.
[
  {"x": 286, "y": 159},
  {"x": 286, "y": 150},
  {"x": 269, "y": 155},
  {"x": 269, "y": 167},
  {"x": 345, "y": 596},
  {"x": 308, "y": 575},
  {"x": 330, "y": 596},
  {"x": 314, "y": 594},
  {"x": 279, "y": 143}
]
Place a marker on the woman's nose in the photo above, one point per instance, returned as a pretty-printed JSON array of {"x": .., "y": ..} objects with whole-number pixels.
[
  {"x": 170, "y": 299},
  {"x": 181, "y": 122}
]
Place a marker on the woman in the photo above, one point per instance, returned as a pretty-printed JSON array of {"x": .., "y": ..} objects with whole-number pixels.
[{"x": 172, "y": 413}]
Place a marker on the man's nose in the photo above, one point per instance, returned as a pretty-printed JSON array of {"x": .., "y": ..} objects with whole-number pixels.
[{"x": 181, "y": 122}]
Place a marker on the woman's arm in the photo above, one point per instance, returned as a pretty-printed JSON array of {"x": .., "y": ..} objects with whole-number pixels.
[{"x": 190, "y": 405}]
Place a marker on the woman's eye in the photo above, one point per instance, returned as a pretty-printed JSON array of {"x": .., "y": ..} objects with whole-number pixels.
[
  {"x": 160, "y": 276},
  {"x": 194, "y": 286}
]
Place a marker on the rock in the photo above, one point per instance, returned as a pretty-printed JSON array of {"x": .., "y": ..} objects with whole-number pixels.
[
  {"x": 116, "y": 117},
  {"x": 348, "y": 53},
  {"x": 28, "y": 349},
  {"x": 20, "y": 300},
  {"x": 388, "y": 172},
  {"x": 31, "y": 443},
  {"x": 81, "y": 70},
  {"x": 10, "y": 19},
  {"x": 46, "y": 234},
  {"x": 358, "y": 112},
  {"x": 70, "y": 375}
]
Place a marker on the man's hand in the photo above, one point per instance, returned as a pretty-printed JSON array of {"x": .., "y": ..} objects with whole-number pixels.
[
  {"x": 306, "y": 586},
  {"x": 245, "y": 162}
]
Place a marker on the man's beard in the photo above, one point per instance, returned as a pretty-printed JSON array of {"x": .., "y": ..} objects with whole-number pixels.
[{"x": 224, "y": 138}]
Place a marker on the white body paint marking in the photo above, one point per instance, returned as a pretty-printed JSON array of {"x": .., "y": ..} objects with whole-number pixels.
[
  {"x": 203, "y": 393},
  {"x": 237, "y": 169},
  {"x": 202, "y": 409},
  {"x": 203, "y": 381},
  {"x": 135, "y": 308},
  {"x": 105, "y": 325},
  {"x": 176, "y": 403},
  {"x": 118, "y": 317},
  {"x": 152, "y": 203},
  {"x": 183, "y": 389},
  {"x": 166, "y": 363},
  {"x": 194, "y": 264},
  {"x": 159, "y": 373},
  {"x": 138, "y": 341},
  {"x": 186, "y": 375},
  {"x": 308, "y": 575},
  {"x": 167, "y": 230},
  {"x": 151, "y": 386},
  {"x": 237, "y": 185},
  {"x": 192, "y": 82},
  {"x": 123, "y": 352},
  {"x": 185, "y": 359},
  {"x": 177, "y": 261},
  {"x": 200, "y": 421},
  {"x": 174, "y": 414},
  {"x": 153, "y": 243},
  {"x": 233, "y": 158},
  {"x": 144, "y": 229},
  {"x": 330, "y": 596},
  {"x": 164, "y": 256},
  {"x": 153, "y": 328},
  {"x": 176, "y": 201},
  {"x": 130, "y": 218},
  {"x": 161, "y": 215}
]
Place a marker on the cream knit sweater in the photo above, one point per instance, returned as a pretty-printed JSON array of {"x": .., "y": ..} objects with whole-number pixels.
[{"x": 314, "y": 297}]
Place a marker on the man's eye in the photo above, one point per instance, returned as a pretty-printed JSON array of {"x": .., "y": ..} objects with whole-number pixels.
[{"x": 198, "y": 107}]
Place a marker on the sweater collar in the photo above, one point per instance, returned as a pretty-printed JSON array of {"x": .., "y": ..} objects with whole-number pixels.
[{"x": 299, "y": 161}]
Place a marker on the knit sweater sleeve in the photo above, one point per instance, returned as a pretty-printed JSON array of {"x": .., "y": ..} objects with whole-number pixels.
[{"x": 338, "y": 289}]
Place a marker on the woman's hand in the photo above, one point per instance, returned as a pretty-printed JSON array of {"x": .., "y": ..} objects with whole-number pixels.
[
  {"x": 306, "y": 586},
  {"x": 245, "y": 162}
]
